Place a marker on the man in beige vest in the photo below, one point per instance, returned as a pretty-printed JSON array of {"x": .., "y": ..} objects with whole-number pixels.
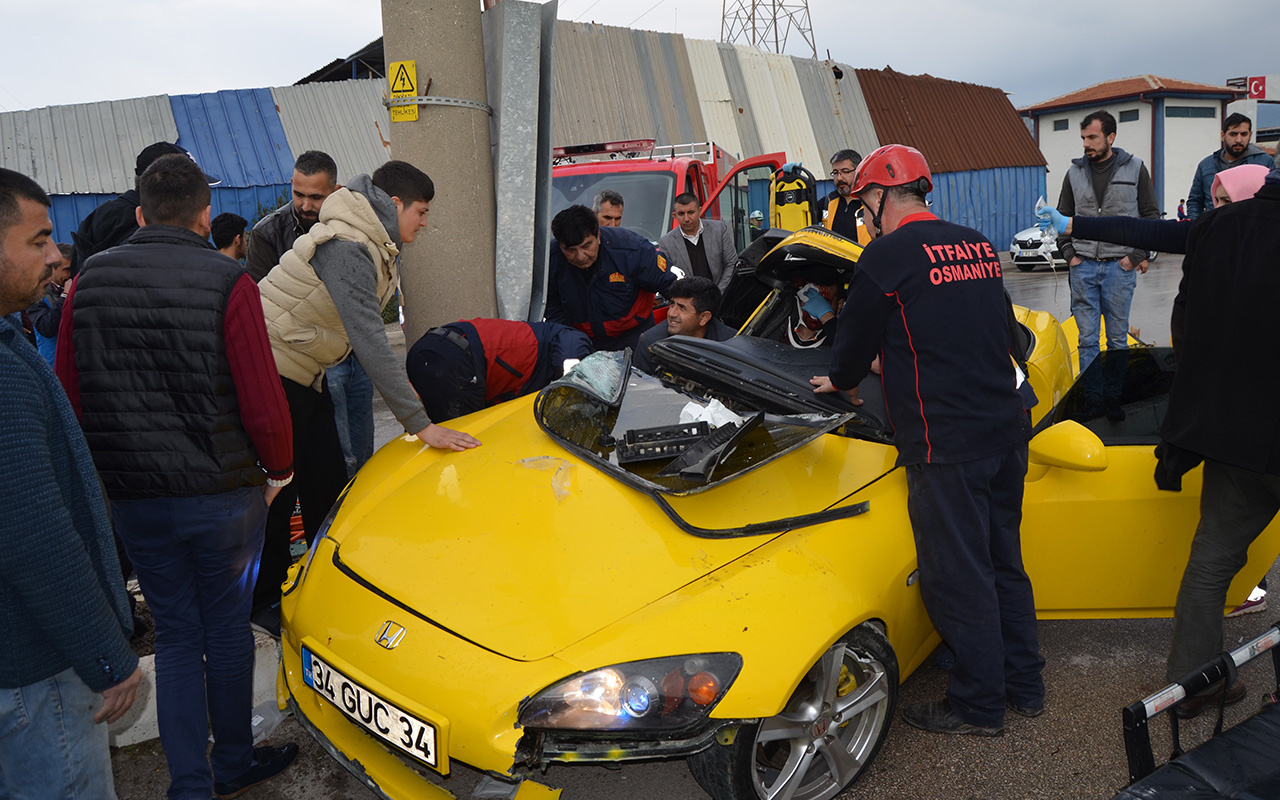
[{"x": 323, "y": 301}]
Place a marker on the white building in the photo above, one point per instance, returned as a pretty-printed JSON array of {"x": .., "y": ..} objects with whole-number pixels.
[{"x": 1170, "y": 124}]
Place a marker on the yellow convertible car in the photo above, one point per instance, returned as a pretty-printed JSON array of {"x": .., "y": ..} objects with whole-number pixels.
[{"x": 712, "y": 564}]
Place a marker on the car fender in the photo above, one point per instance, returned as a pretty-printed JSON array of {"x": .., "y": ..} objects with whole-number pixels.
[{"x": 806, "y": 589}]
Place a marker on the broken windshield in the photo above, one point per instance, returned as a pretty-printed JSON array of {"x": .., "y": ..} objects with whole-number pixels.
[{"x": 657, "y": 437}]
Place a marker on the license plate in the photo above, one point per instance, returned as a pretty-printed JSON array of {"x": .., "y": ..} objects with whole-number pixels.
[{"x": 388, "y": 722}]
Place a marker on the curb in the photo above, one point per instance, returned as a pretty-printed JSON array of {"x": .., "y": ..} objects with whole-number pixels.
[{"x": 140, "y": 725}]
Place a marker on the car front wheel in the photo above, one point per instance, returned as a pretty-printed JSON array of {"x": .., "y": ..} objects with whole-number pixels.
[{"x": 825, "y": 737}]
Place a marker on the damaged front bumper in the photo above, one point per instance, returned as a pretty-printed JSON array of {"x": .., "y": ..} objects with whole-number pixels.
[{"x": 397, "y": 779}]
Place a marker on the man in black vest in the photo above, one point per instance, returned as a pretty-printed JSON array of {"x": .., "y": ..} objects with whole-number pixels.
[{"x": 164, "y": 355}]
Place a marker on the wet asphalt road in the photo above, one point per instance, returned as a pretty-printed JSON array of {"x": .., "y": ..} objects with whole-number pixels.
[{"x": 1075, "y": 750}]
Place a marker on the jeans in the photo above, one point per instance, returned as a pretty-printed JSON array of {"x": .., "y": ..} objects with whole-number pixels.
[
  {"x": 197, "y": 559},
  {"x": 966, "y": 519},
  {"x": 1101, "y": 288},
  {"x": 1235, "y": 506},
  {"x": 50, "y": 748},
  {"x": 352, "y": 394}
]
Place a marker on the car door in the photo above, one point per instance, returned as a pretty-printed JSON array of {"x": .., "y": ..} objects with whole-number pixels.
[
  {"x": 744, "y": 189},
  {"x": 1099, "y": 539}
]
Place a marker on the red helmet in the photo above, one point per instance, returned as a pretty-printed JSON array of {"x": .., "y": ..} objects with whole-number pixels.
[{"x": 892, "y": 165}]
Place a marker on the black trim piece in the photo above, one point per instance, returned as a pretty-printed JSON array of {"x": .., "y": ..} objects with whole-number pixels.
[
  {"x": 758, "y": 528},
  {"x": 353, "y": 575}
]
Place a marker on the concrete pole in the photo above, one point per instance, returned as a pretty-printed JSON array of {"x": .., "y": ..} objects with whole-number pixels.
[{"x": 447, "y": 274}]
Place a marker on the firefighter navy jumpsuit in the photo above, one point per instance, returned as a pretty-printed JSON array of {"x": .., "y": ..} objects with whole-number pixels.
[{"x": 929, "y": 299}]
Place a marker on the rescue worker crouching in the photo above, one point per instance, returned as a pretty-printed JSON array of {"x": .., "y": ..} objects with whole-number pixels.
[
  {"x": 951, "y": 390},
  {"x": 465, "y": 366},
  {"x": 603, "y": 280}
]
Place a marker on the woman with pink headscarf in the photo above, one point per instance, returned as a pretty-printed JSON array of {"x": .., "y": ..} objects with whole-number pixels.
[{"x": 1166, "y": 236}]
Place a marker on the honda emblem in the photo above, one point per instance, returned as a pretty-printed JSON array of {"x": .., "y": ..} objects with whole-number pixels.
[{"x": 390, "y": 635}]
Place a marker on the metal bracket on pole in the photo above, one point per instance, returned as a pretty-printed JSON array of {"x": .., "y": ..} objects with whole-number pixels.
[{"x": 438, "y": 101}]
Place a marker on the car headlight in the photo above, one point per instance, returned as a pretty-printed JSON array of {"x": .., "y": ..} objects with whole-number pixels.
[{"x": 655, "y": 694}]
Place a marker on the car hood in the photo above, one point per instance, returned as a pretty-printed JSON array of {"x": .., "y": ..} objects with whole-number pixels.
[{"x": 522, "y": 548}]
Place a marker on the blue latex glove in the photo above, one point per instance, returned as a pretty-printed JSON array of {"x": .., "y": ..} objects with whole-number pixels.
[
  {"x": 792, "y": 166},
  {"x": 815, "y": 305},
  {"x": 1052, "y": 217}
]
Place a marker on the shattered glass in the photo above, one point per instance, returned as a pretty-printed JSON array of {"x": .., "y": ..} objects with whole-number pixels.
[{"x": 590, "y": 413}]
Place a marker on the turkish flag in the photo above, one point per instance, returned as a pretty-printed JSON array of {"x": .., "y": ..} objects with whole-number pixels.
[{"x": 1258, "y": 88}]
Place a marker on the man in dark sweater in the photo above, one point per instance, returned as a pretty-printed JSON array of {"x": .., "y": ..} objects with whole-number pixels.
[
  {"x": 1222, "y": 410},
  {"x": 164, "y": 353},
  {"x": 65, "y": 661},
  {"x": 928, "y": 298},
  {"x": 694, "y": 311}
]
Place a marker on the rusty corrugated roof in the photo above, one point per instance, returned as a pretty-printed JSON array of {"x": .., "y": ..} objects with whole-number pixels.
[
  {"x": 958, "y": 126},
  {"x": 1130, "y": 87}
]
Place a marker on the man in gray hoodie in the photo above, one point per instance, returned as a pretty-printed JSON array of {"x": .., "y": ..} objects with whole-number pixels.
[
  {"x": 322, "y": 301},
  {"x": 1237, "y": 130}
]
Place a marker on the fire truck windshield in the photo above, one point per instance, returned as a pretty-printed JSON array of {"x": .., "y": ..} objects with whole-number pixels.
[{"x": 646, "y": 197}]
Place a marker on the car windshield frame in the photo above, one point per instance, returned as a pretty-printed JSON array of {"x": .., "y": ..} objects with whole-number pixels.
[{"x": 590, "y": 411}]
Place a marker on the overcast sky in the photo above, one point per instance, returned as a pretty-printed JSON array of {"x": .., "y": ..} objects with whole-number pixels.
[{"x": 76, "y": 51}]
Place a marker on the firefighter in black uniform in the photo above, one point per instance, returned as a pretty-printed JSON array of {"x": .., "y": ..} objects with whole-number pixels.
[
  {"x": 602, "y": 281},
  {"x": 465, "y": 366},
  {"x": 928, "y": 298}
]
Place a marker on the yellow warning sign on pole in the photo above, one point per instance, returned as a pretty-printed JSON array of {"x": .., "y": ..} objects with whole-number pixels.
[{"x": 404, "y": 83}]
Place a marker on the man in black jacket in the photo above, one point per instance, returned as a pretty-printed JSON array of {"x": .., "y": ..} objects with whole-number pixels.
[
  {"x": 315, "y": 177},
  {"x": 115, "y": 220},
  {"x": 1223, "y": 409},
  {"x": 928, "y": 297}
]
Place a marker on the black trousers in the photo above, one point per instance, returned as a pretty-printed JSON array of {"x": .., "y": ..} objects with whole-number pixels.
[
  {"x": 319, "y": 473},
  {"x": 966, "y": 519}
]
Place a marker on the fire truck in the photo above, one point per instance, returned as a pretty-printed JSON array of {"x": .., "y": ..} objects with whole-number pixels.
[{"x": 649, "y": 177}]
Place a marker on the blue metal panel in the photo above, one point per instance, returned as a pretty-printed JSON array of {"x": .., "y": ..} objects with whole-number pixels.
[
  {"x": 252, "y": 203},
  {"x": 68, "y": 209},
  {"x": 998, "y": 202},
  {"x": 236, "y": 135}
]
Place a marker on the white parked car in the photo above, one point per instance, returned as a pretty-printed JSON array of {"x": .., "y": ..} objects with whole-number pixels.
[{"x": 1029, "y": 251}]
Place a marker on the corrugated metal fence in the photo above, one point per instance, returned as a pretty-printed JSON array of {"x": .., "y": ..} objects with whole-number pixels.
[{"x": 998, "y": 202}]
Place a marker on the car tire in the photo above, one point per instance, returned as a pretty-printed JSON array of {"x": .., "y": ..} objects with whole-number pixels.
[{"x": 826, "y": 736}]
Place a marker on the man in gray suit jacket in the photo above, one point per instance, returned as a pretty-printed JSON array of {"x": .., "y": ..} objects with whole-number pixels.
[{"x": 700, "y": 247}]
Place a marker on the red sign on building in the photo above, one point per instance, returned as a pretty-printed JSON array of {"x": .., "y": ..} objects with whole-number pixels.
[{"x": 1258, "y": 88}]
